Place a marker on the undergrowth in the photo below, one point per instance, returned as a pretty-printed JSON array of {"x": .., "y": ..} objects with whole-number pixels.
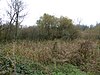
[{"x": 78, "y": 57}]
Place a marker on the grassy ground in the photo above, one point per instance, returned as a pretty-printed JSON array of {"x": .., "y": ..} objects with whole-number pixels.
[{"x": 78, "y": 57}]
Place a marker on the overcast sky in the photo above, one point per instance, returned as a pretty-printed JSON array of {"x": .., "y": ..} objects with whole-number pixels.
[{"x": 86, "y": 10}]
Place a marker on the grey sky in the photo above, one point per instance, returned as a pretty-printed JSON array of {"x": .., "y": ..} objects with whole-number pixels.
[{"x": 87, "y": 10}]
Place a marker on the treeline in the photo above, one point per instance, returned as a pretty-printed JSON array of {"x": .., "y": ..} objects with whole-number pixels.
[{"x": 49, "y": 27}]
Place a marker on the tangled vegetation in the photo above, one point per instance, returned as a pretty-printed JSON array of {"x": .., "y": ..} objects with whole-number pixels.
[
  {"x": 54, "y": 46},
  {"x": 50, "y": 58}
]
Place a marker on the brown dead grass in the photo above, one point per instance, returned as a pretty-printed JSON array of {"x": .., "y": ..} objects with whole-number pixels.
[{"x": 85, "y": 54}]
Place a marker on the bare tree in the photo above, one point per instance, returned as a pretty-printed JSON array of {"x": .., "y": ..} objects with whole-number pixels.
[
  {"x": 16, "y": 16},
  {"x": 16, "y": 8},
  {"x": 79, "y": 21}
]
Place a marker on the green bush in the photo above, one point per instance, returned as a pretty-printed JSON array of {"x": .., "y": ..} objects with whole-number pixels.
[{"x": 6, "y": 66}]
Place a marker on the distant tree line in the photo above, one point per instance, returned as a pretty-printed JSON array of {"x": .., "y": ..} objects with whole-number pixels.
[{"x": 49, "y": 28}]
